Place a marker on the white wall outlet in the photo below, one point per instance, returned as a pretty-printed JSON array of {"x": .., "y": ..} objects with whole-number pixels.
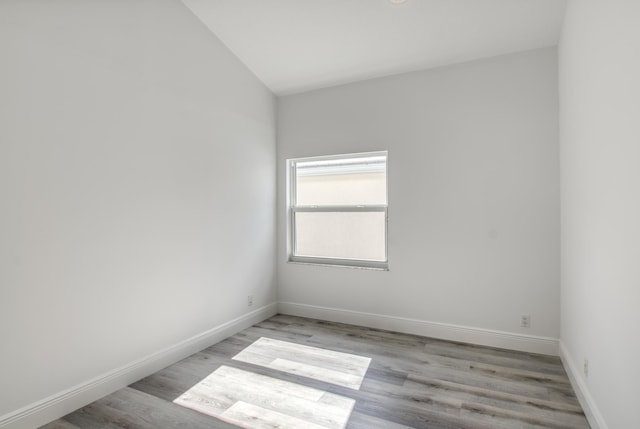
[
  {"x": 525, "y": 321},
  {"x": 585, "y": 367},
  {"x": 249, "y": 300}
]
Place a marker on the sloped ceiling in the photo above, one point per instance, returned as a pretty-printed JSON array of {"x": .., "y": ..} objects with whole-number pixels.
[{"x": 299, "y": 45}]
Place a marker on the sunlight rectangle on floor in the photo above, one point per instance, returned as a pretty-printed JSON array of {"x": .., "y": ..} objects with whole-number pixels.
[
  {"x": 342, "y": 369},
  {"x": 255, "y": 401}
]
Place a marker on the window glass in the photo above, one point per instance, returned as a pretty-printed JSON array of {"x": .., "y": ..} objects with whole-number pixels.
[
  {"x": 357, "y": 181},
  {"x": 348, "y": 235}
]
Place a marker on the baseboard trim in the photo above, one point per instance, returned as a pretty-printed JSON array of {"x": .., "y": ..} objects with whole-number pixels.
[
  {"x": 466, "y": 334},
  {"x": 55, "y": 406},
  {"x": 591, "y": 410}
]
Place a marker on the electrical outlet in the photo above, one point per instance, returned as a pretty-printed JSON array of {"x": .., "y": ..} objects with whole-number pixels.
[
  {"x": 249, "y": 300},
  {"x": 585, "y": 367},
  {"x": 525, "y": 321}
]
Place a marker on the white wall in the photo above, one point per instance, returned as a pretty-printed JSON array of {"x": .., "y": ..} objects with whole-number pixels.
[
  {"x": 137, "y": 188},
  {"x": 600, "y": 164},
  {"x": 473, "y": 192}
]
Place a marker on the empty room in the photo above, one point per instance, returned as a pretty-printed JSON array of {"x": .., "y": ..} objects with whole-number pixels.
[{"x": 319, "y": 214}]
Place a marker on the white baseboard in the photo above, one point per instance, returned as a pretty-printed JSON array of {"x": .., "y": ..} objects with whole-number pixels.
[
  {"x": 582, "y": 391},
  {"x": 465, "y": 334},
  {"x": 62, "y": 403}
]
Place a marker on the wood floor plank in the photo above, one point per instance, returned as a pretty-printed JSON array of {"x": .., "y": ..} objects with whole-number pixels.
[
  {"x": 88, "y": 418},
  {"x": 130, "y": 408},
  {"x": 479, "y": 401},
  {"x": 422, "y": 364},
  {"x": 410, "y": 382},
  {"x": 263, "y": 418},
  {"x": 364, "y": 421},
  {"x": 395, "y": 339},
  {"x": 263, "y": 396},
  {"x": 322, "y": 357},
  {"x": 340, "y": 368},
  {"x": 489, "y": 356},
  {"x": 60, "y": 424},
  {"x": 460, "y": 390}
]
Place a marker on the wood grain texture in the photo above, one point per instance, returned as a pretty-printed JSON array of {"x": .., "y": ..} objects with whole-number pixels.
[
  {"x": 255, "y": 401},
  {"x": 344, "y": 369},
  {"x": 411, "y": 382}
]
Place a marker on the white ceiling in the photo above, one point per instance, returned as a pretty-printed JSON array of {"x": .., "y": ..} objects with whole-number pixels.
[{"x": 298, "y": 45}]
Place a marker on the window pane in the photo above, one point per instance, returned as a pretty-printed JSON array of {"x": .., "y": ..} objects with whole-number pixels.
[
  {"x": 346, "y": 235},
  {"x": 356, "y": 181}
]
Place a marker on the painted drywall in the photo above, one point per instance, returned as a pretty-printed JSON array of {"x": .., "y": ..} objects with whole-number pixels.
[
  {"x": 137, "y": 184},
  {"x": 473, "y": 192},
  {"x": 600, "y": 176}
]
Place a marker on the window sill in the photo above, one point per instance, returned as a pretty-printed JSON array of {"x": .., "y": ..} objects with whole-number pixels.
[{"x": 377, "y": 267}]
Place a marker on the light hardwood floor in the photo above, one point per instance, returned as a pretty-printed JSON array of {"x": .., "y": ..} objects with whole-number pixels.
[{"x": 292, "y": 372}]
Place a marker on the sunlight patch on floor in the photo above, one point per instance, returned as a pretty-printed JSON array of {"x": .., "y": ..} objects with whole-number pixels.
[
  {"x": 255, "y": 401},
  {"x": 342, "y": 369}
]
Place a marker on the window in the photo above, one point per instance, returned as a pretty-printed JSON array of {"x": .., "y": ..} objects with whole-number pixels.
[{"x": 338, "y": 210}]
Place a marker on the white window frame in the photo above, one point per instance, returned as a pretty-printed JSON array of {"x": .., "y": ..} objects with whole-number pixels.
[{"x": 293, "y": 208}]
